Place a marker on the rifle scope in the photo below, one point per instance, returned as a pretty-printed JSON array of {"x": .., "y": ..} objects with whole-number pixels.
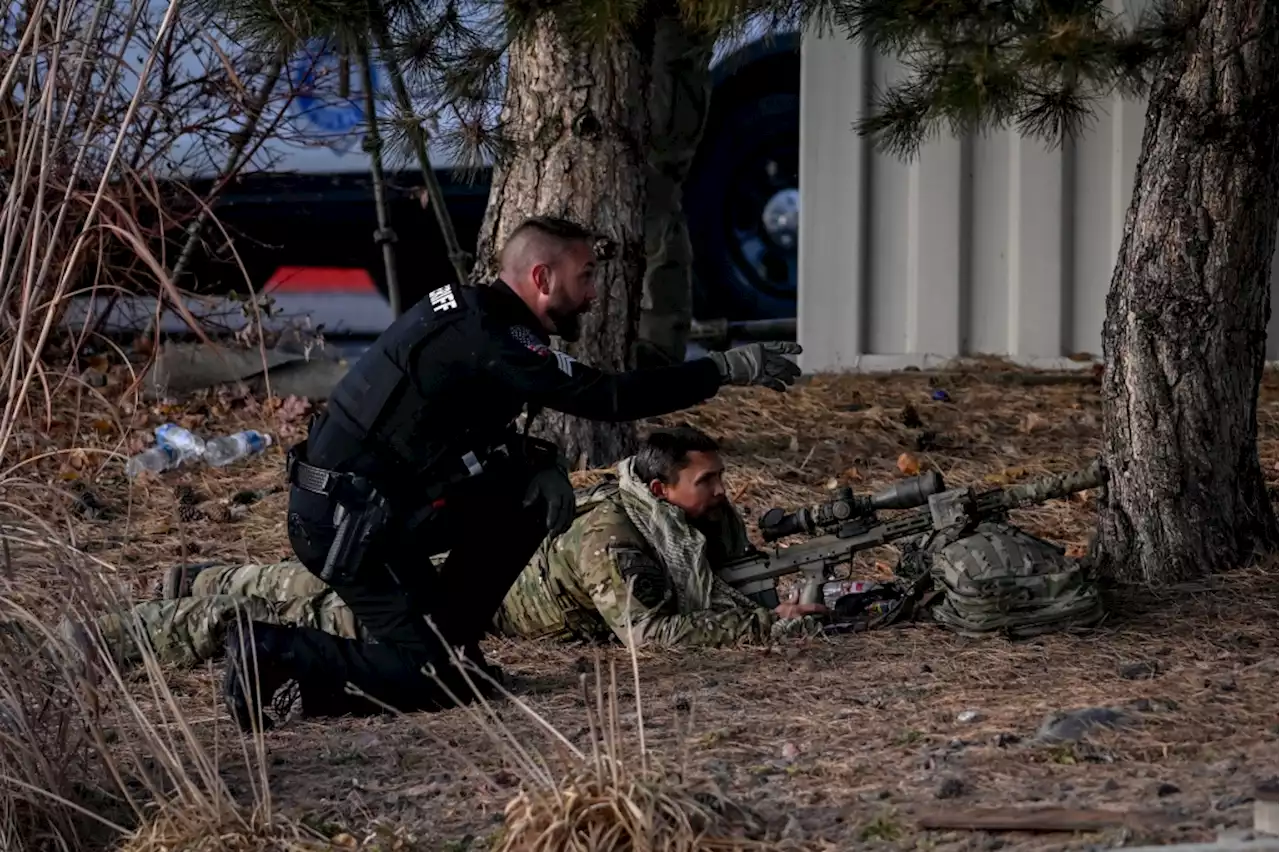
[{"x": 905, "y": 494}]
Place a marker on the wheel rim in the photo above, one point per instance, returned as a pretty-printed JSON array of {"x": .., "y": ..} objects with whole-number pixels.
[{"x": 762, "y": 213}]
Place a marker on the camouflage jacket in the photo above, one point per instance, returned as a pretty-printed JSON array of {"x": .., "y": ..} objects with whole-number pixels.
[{"x": 627, "y": 551}]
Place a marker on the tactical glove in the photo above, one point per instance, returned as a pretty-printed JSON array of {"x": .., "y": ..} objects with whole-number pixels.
[
  {"x": 759, "y": 364},
  {"x": 552, "y": 485}
]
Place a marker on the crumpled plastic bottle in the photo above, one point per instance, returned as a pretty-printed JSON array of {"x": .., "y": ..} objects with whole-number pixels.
[
  {"x": 174, "y": 447},
  {"x": 223, "y": 451}
]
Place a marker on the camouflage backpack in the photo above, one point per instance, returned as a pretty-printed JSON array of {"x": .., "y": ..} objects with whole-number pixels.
[{"x": 998, "y": 579}]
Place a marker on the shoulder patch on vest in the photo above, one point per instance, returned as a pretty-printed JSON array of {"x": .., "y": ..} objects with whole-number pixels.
[
  {"x": 648, "y": 579},
  {"x": 530, "y": 341},
  {"x": 443, "y": 299}
]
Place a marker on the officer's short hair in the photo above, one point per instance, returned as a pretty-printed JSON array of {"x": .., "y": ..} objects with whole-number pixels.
[
  {"x": 665, "y": 452},
  {"x": 565, "y": 231}
]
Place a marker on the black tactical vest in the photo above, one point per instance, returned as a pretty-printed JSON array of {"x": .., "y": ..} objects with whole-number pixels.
[{"x": 415, "y": 405}]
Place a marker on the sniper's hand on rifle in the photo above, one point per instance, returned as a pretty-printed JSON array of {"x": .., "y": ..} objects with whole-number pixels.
[{"x": 796, "y": 610}]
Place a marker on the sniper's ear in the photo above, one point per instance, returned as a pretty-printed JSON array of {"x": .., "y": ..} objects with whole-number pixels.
[{"x": 658, "y": 489}]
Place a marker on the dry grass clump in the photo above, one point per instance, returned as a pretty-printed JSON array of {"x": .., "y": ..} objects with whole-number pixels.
[
  {"x": 45, "y": 749},
  {"x": 609, "y": 799},
  {"x": 171, "y": 833},
  {"x": 92, "y": 756},
  {"x": 612, "y": 801},
  {"x": 592, "y": 811}
]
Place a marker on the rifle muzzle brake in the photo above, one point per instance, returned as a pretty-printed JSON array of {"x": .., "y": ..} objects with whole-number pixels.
[{"x": 846, "y": 506}]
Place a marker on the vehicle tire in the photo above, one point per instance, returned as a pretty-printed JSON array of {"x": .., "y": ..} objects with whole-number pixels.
[{"x": 748, "y": 162}]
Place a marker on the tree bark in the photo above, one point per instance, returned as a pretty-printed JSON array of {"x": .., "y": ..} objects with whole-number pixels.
[
  {"x": 574, "y": 141},
  {"x": 1185, "y": 334}
]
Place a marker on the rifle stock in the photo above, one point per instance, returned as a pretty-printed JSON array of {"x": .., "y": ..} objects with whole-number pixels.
[{"x": 816, "y": 558}]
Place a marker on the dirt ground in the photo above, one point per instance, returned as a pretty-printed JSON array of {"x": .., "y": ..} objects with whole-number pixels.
[{"x": 838, "y": 743}]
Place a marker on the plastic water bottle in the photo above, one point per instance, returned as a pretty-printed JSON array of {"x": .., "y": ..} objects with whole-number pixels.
[
  {"x": 231, "y": 448},
  {"x": 174, "y": 446},
  {"x": 156, "y": 459},
  {"x": 184, "y": 442}
]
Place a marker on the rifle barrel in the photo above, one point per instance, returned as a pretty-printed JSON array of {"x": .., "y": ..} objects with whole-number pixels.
[{"x": 1053, "y": 487}]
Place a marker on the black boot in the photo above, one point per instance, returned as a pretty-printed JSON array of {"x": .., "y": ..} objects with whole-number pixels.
[
  {"x": 496, "y": 677},
  {"x": 178, "y": 580},
  {"x": 259, "y": 668},
  {"x": 463, "y": 638}
]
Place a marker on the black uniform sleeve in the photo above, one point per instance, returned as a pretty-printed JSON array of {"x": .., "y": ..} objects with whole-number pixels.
[{"x": 552, "y": 379}]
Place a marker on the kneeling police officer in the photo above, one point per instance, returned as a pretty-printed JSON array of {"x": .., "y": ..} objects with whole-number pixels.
[{"x": 417, "y": 454}]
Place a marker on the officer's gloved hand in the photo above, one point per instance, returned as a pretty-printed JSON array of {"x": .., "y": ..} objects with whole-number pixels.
[
  {"x": 552, "y": 485},
  {"x": 759, "y": 364}
]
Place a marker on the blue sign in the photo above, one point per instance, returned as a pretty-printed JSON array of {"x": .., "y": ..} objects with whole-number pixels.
[{"x": 318, "y": 108}]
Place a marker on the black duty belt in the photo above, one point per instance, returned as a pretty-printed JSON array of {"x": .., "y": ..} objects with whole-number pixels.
[
  {"x": 332, "y": 484},
  {"x": 318, "y": 480}
]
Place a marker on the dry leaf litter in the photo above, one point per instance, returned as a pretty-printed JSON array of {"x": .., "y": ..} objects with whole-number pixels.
[{"x": 833, "y": 744}]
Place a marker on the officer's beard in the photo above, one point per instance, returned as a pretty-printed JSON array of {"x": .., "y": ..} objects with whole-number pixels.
[{"x": 567, "y": 324}]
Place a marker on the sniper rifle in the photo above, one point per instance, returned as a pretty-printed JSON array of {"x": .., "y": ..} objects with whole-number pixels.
[{"x": 849, "y": 523}]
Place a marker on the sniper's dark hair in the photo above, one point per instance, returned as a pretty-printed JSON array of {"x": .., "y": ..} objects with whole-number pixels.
[{"x": 665, "y": 452}]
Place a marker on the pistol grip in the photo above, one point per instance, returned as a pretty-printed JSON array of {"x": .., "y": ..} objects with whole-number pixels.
[
  {"x": 811, "y": 592},
  {"x": 337, "y": 549}
]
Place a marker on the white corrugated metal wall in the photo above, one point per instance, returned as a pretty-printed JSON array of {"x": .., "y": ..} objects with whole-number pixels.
[{"x": 988, "y": 244}]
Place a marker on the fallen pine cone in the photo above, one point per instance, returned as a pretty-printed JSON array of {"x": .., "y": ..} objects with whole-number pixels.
[{"x": 189, "y": 514}]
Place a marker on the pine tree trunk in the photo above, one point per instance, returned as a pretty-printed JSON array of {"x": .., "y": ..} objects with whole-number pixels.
[
  {"x": 1185, "y": 334},
  {"x": 577, "y": 140}
]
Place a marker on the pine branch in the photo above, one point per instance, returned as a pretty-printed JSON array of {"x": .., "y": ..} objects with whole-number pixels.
[
  {"x": 453, "y": 66},
  {"x": 727, "y": 18},
  {"x": 268, "y": 26},
  {"x": 1037, "y": 65}
]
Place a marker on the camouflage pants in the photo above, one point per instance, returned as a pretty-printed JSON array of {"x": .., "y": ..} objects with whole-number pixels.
[
  {"x": 679, "y": 101},
  {"x": 189, "y": 630}
]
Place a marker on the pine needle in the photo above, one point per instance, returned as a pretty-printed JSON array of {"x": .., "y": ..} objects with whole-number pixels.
[{"x": 1037, "y": 67}]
